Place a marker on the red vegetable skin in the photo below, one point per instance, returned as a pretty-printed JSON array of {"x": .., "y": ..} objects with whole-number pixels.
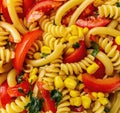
[
  {"x": 118, "y": 46},
  {"x": 23, "y": 47},
  {"x": 14, "y": 91},
  {"x": 101, "y": 85},
  {"x": 49, "y": 104},
  {"x": 40, "y": 8},
  {"x": 92, "y": 22},
  {"x": 77, "y": 55},
  {"x": 4, "y": 97}
]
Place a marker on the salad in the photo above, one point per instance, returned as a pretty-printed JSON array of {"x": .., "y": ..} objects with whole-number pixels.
[{"x": 59, "y": 56}]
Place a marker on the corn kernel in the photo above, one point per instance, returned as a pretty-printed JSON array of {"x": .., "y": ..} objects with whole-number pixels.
[
  {"x": 85, "y": 30},
  {"x": 62, "y": 40},
  {"x": 117, "y": 40},
  {"x": 74, "y": 93},
  {"x": 32, "y": 79},
  {"x": 92, "y": 68},
  {"x": 103, "y": 101},
  {"x": 80, "y": 32},
  {"x": 73, "y": 39},
  {"x": 100, "y": 95},
  {"x": 37, "y": 55},
  {"x": 86, "y": 101},
  {"x": 75, "y": 101},
  {"x": 74, "y": 30},
  {"x": 69, "y": 51},
  {"x": 58, "y": 82},
  {"x": 70, "y": 83},
  {"x": 45, "y": 50},
  {"x": 79, "y": 77},
  {"x": 94, "y": 94},
  {"x": 34, "y": 71},
  {"x": 81, "y": 86}
]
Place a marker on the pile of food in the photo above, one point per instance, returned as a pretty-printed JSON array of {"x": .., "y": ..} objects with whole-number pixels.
[{"x": 59, "y": 56}]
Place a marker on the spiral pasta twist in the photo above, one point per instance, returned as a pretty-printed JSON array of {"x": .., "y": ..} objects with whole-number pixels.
[
  {"x": 63, "y": 106},
  {"x": 76, "y": 68},
  {"x": 3, "y": 37},
  {"x": 55, "y": 30},
  {"x": 50, "y": 40},
  {"x": 36, "y": 46},
  {"x": 109, "y": 11},
  {"x": 16, "y": 106},
  {"x": 18, "y": 6},
  {"x": 111, "y": 51},
  {"x": 5, "y": 55}
]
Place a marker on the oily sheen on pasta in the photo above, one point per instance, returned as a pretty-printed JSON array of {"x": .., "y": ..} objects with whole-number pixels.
[{"x": 60, "y": 56}]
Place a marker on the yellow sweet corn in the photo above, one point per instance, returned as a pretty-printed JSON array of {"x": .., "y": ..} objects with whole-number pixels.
[
  {"x": 70, "y": 83},
  {"x": 74, "y": 93},
  {"x": 86, "y": 102},
  {"x": 92, "y": 68},
  {"x": 73, "y": 39},
  {"x": 79, "y": 77},
  {"x": 75, "y": 101},
  {"x": 45, "y": 49},
  {"x": 80, "y": 32},
  {"x": 69, "y": 51},
  {"x": 58, "y": 82},
  {"x": 74, "y": 30},
  {"x": 94, "y": 94},
  {"x": 81, "y": 86},
  {"x": 85, "y": 30},
  {"x": 100, "y": 95},
  {"x": 103, "y": 101},
  {"x": 32, "y": 79},
  {"x": 37, "y": 55},
  {"x": 117, "y": 40}
]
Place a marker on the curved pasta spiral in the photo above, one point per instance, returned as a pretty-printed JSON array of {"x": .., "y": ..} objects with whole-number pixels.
[
  {"x": 18, "y": 6},
  {"x": 50, "y": 40},
  {"x": 5, "y": 55},
  {"x": 77, "y": 68},
  {"x": 109, "y": 11},
  {"x": 63, "y": 106},
  {"x": 111, "y": 51},
  {"x": 36, "y": 46},
  {"x": 17, "y": 106},
  {"x": 3, "y": 37},
  {"x": 55, "y": 30}
]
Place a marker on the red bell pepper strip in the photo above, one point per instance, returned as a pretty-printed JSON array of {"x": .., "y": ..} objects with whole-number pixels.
[
  {"x": 49, "y": 104},
  {"x": 23, "y": 47},
  {"x": 4, "y": 97},
  {"x": 101, "y": 85},
  {"x": 19, "y": 89},
  {"x": 41, "y": 8},
  {"x": 77, "y": 55}
]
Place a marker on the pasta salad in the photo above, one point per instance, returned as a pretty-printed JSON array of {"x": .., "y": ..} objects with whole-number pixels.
[{"x": 59, "y": 56}]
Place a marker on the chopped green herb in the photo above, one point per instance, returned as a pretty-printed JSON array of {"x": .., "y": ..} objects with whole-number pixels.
[
  {"x": 56, "y": 95},
  {"x": 35, "y": 105},
  {"x": 76, "y": 45},
  {"x": 96, "y": 49},
  {"x": 44, "y": 55},
  {"x": 118, "y": 4},
  {"x": 21, "y": 90},
  {"x": 107, "y": 110},
  {"x": 19, "y": 79}
]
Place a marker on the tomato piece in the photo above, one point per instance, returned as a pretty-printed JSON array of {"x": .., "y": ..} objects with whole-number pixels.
[
  {"x": 4, "y": 97},
  {"x": 23, "y": 47},
  {"x": 100, "y": 73},
  {"x": 77, "y": 55},
  {"x": 19, "y": 89},
  {"x": 27, "y": 5},
  {"x": 49, "y": 104},
  {"x": 41, "y": 8},
  {"x": 101, "y": 85},
  {"x": 118, "y": 46},
  {"x": 92, "y": 22}
]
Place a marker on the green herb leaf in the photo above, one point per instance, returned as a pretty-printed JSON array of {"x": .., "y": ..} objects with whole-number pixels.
[
  {"x": 21, "y": 90},
  {"x": 35, "y": 105},
  {"x": 56, "y": 95},
  {"x": 96, "y": 49},
  {"x": 118, "y": 4},
  {"x": 44, "y": 55},
  {"x": 107, "y": 110},
  {"x": 76, "y": 45},
  {"x": 19, "y": 79}
]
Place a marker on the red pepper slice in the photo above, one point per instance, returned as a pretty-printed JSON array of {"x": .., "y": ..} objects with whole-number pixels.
[
  {"x": 23, "y": 86},
  {"x": 4, "y": 97},
  {"x": 40, "y": 8},
  {"x": 49, "y": 104},
  {"x": 101, "y": 85},
  {"x": 23, "y": 47},
  {"x": 77, "y": 55},
  {"x": 92, "y": 22}
]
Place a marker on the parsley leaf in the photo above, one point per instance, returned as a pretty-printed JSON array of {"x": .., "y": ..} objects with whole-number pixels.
[
  {"x": 106, "y": 110},
  {"x": 76, "y": 45},
  {"x": 19, "y": 79},
  {"x": 96, "y": 49},
  {"x": 118, "y": 4},
  {"x": 44, "y": 55},
  {"x": 56, "y": 95}
]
